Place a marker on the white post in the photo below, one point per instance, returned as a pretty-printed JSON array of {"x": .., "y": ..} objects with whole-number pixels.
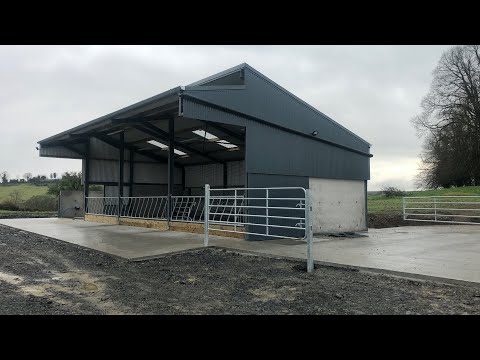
[
  {"x": 266, "y": 207},
  {"x": 435, "y": 204},
  {"x": 206, "y": 214},
  {"x": 403, "y": 208},
  {"x": 235, "y": 211},
  {"x": 309, "y": 231}
]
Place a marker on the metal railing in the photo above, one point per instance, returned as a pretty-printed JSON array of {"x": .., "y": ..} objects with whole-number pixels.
[
  {"x": 280, "y": 212},
  {"x": 144, "y": 207},
  {"x": 184, "y": 208},
  {"x": 107, "y": 206},
  {"x": 188, "y": 208},
  {"x": 442, "y": 209}
]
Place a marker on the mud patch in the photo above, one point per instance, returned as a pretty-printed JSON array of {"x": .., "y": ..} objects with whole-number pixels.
[{"x": 44, "y": 276}]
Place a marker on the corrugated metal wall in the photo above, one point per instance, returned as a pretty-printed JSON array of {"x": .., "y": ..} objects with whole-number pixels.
[
  {"x": 99, "y": 149},
  {"x": 199, "y": 175},
  {"x": 236, "y": 173},
  {"x": 212, "y": 174},
  {"x": 113, "y": 191},
  {"x": 154, "y": 173},
  {"x": 58, "y": 152},
  {"x": 274, "y": 151}
]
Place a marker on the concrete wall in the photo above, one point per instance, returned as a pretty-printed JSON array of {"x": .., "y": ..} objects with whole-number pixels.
[
  {"x": 69, "y": 200},
  {"x": 338, "y": 205},
  {"x": 196, "y": 228}
]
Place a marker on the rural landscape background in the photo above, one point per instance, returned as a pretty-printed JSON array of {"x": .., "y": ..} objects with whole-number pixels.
[{"x": 447, "y": 126}]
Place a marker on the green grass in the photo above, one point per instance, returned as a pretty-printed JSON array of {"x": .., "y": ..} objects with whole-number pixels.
[
  {"x": 379, "y": 204},
  {"x": 26, "y": 191}
]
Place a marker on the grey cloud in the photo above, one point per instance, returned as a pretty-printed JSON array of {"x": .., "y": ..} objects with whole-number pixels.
[{"x": 372, "y": 90}]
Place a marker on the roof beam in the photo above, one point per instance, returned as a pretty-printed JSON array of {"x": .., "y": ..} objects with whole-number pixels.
[
  {"x": 141, "y": 119},
  {"x": 116, "y": 144},
  {"x": 158, "y": 133},
  {"x": 71, "y": 148},
  {"x": 226, "y": 131}
]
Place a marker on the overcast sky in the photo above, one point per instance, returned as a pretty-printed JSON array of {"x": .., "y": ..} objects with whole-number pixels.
[{"x": 371, "y": 90}]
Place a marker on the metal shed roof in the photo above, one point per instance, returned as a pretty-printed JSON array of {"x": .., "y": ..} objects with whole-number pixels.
[{"x": 240, "y": 89}]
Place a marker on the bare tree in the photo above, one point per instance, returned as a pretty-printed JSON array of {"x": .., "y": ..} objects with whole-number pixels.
[
  {"x": 27, "y": 176},
  {"x": 450, "y": 121}
]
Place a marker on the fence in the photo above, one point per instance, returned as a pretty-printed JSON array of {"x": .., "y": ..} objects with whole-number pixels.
[
  {"x": 107, "y": 206},
  {"x": 144, "y": 207},
  {"x": 188, "y": 208},
  {"x": 281, "y": 212},
  {"x": 184, "y": 208},
  {"x": 442, "y": 209}
]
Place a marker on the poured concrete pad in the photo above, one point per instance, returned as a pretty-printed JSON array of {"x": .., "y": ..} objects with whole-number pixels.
[
  {"x": 442, "y": 251},
  {"x": 449, "y": 251},
  {"x": 125, "y": 241}
]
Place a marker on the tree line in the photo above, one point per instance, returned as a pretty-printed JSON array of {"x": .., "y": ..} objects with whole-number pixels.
[
  {"x": 27, "y": 178},
  {"x": 450, "y": 121}
]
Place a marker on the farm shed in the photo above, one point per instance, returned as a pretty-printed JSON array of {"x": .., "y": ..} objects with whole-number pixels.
[{"x": 235, "y": 129}]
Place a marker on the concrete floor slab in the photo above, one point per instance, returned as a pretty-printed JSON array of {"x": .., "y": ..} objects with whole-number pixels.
[{"x": 451, "y": 252}]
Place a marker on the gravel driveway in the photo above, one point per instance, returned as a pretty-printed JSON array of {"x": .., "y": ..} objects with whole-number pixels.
[{"x": 39, "y": 275}]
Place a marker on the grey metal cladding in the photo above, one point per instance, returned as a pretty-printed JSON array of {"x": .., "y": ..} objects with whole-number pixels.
[
  {"x": 150, "y": 190},
  {"x": 268, "y": 180},
  {"x": 106, "y": 171},
  {"x": 154, "y": 173},
  {"x": 194, "y": 110},
  {"x": 199, "y": 175},
  {"x": 102, "y": 150},
  {"x": 267, "y": 101},
  {"x": 235, "y": 78},
  {"x": 273, "y": 151},
  {"x": 112, "y": 191},
  {"x": 58, "y": 152},
  {"x": 236, "y": 173}
]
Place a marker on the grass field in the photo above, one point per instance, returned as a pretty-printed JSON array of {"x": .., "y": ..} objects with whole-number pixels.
[
  {"x": 26, "y": 191},
  {"x": 379, "y": 204}
]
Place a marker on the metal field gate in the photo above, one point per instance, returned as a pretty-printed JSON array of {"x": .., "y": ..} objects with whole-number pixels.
[
  {"x": 442, "y": 209},
  {"x": 261, "y": 214}
]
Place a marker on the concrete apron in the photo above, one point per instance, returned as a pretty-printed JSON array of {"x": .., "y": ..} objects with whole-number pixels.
[{"x": 427, "y": 252}]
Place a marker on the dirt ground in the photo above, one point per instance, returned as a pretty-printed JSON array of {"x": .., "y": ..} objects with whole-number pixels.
[
  {"x": 380, "y": 221},
  {"x": 39, "y": 275}
]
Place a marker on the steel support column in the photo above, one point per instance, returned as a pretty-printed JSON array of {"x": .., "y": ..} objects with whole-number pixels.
[
  {"x": 183, "y": 180},
  {"x": 130, "y": 173},
  {"x": 225, "y": 175},
  {"x": 86, "y": 182},
  {"x": 121, "y": 159},
  {"x": 171, "y": 164}
]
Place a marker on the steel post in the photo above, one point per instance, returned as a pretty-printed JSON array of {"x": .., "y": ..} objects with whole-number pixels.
[
  {"x": 309, "y": 231},
  {"x": 206, "y": 215}
]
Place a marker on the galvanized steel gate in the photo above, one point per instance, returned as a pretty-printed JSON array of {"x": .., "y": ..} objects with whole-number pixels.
[
  {"x": 263, "y": 213},
  {"x": 442, "y": 209}
]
